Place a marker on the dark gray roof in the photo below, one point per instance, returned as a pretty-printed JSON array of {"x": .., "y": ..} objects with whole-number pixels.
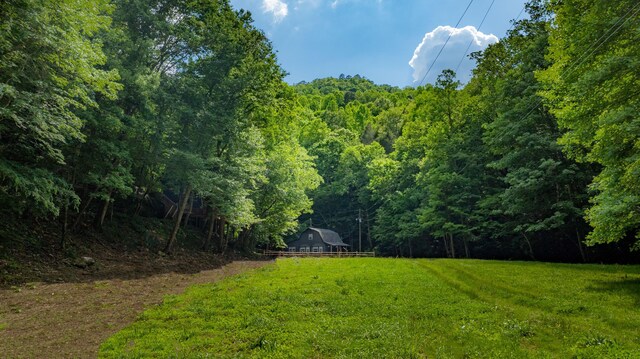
[{"x": 329, "y": 237}]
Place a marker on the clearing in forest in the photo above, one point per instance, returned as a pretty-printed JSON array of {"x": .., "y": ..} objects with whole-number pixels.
[{"x": 376, "y": 307}]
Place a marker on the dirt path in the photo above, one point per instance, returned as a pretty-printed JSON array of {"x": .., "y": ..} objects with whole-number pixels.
[{"x": 70, "y": 320}]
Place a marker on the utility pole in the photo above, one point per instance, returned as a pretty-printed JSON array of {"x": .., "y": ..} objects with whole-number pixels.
[{"x": 359, "y": 230}]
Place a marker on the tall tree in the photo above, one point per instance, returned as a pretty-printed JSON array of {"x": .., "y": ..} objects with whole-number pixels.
[
  {"x": 224, "y": 73},
  {"x": 544, "y": 192},
  {"x": 50, "y": 66},
  {"x": 592, "y": 88},
  {"x": 452, "y": 168}
]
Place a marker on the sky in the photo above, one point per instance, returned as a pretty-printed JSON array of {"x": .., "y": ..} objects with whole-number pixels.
[{"x": 387, "y": 41}]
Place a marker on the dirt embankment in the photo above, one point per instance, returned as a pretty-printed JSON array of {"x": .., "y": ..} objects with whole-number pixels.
[{"x": 71, "y": 319}]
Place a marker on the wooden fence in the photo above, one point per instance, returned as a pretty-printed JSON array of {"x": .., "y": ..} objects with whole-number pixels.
[{"x": 318, "y": 254}]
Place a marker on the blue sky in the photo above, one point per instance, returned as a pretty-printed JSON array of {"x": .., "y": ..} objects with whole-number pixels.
[{"x": 377, "y": 38}]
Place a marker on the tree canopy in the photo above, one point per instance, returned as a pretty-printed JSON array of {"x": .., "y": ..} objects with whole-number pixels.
[{"x": 179, "y": 110}]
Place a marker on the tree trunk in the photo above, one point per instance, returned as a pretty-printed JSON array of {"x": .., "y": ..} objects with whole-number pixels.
[
  {"x": 241, "y": 241},
  {"x": 220, "y": 235},
  {"x": 112, "y": 206},
  {"x": 580, "y": 247},
  {"x": 446, "y": 246},
  {"x": 176, "y": 226},
  {"x": 533, "y": 257},
  {"x": 103, "y": 213},
  {"x": 63, "y": 235},
  {"x": 140, "y": 201},
  {"x": 366, "y": 213},
  {"x": 65, "y": 222},
  {"x": 212, "y": 223},
  {"x": 228, "y": 236},
  {"x": 466, "y": 247},
  {"x": 244, "y": 239},
  {"x": 186, "y": 221},
  {"x": 453, "y": 248},
  {"x": 84, "y": 209}
]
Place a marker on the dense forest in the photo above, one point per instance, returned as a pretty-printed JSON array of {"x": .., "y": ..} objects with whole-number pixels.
[{"x": 178, "y": 110}]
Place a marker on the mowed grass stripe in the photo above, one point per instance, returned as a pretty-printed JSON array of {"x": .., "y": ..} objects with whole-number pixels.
[
  {"x": 475, "y": 282},
  {"x": 608, "y": 294},
  {"x": 376, "y": 307},
  {"x": 587, "y": 302}
]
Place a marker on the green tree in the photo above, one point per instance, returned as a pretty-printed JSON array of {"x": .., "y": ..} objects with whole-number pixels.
[
  {"x": 227, "y": 72},
  {"x": 50, "y": 67},
  {"x": 592, "y": 88},
  {"x": 451, "y": 171},
  {"x": 282, "y": 197},
  {"x": 544, "y": 192}
]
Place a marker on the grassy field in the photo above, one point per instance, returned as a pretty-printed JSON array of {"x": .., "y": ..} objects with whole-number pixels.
[{"x": 395, "y": 308}]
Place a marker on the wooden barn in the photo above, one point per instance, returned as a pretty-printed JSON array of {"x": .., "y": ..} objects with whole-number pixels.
[{"x": 317, "y": 240}]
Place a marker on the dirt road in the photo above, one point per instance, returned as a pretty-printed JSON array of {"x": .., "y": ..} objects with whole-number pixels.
[{"x": 71, "y": 320}]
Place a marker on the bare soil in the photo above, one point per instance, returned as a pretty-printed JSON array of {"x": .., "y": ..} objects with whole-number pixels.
[{"x": 72, "y": 318}]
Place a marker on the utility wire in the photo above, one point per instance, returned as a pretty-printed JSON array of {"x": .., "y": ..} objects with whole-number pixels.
[
  {"x": 516, "y": 20},
  {"x": 438, "y": 55},
  {"x": 423, "y": 78},
  {"x": 599, "y": 42},
  {"x": 581, "y": 60},
  {"x": 615, "y": 28},
  {"x": 445, "y": 44},
  {"x": 478, "y": 29},
  {"x": 584, "y": 56}
]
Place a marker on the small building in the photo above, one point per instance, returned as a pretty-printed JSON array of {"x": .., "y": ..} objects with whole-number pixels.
[{"x": 318, "y": 240}]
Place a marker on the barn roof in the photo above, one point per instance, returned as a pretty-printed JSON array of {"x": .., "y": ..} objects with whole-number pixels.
[{"x": 329, "y": 237}]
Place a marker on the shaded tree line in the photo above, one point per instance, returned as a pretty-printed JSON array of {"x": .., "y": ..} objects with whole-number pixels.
[{"x": 113, "y": 102}]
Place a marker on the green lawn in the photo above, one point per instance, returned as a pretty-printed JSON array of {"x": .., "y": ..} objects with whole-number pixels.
[{"x": 395, "y": 308}]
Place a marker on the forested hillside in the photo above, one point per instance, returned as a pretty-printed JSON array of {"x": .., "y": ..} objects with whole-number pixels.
[
  {"x": 536, "y": 157},
  {"x": 111, "y": 106},
  {"x": 176, "y": 110}
]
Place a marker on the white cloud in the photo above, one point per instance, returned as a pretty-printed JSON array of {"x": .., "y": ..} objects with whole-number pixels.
[
  {"x": 278, "y": 9},
  {"x": 431, "y": 44}
]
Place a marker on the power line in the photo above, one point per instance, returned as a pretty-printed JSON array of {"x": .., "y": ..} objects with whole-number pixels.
[
  {"x": 516, "y": 20},
  {"x": 445, "y": 44},
  {"x": 585, "y": 55},
  {"x": 603, "y": 39},
  {"x": 478, "y": 29},
  {"x": 599, "y": 42},
  {"x": 437, "y": 56},
  {"x": 513, "y": 23}
]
